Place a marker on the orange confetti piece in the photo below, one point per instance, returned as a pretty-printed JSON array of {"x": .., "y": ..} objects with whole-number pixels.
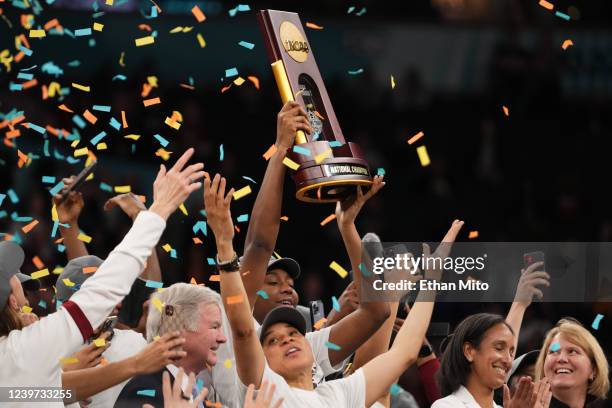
[
  {"x": 506, "y": 111},
  {"x": 284, "y": 218},
  {"x": 215, "y": 278},
  {"x": 473, "y": 234},
  {"x": 90, "y": 269},
  {"x": 187, "y": 86},
  {"x": 254, "y": 80},
  {"x": 318, "y": 115},
  {"x": 51, "y": 23},
  {"x": 567, "y": 44},
  {"x": 319, "y": 323},
  {"x": 146, "y": 89},
  {"x": 234, "y": 300},
  {"x": 225, "y": 88},
  {"x": 29, "y": 84},
  {"x": 213, "y": 404},
  {"x": 29, "y": 227},
  {"x": 415, "y": 138},
  {"x": 313, "y": 26},
  {"x": 197, "y": 241},
  {"x": 173, "y": 124},
  {"x": 152, "y": 101},
  {"x": 38, "y": 263},
  {"x": 23, "y": 159},
  {"x": 546, "y": 5},
  {"x": 328, "y": 219},
  {"x": 270, "y": 152},
  {"x": 198, "y": 14},
  {"x": 90, "y": 117},
  {"x": 11, "y": 134},
  {"x": 124, "y": 120},
  {"x": 145, "y": 27},
  {"x": 65, "y": 108}
]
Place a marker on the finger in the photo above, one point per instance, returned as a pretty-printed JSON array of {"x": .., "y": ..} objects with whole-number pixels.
[
  {"x": 200, "y": 397},
  {"x": 198, "y": 175},
  {"x": 278, "y": 403},
  {"x": 176, "y": 388},
  {"x": 228, "y": 197},
  {"x": 207, "y": 188},
  {"x": 148, "y": 406},
  {"x": 190, "y": 381},
  {"x": 166, "y": 385},
  {"x": 169, "y": 336},
  {"x": 214, "y": 187},
  {"x": 537, "y": 293},
  {"x": 289, "y": 105},
  {"x": 174, "y": 343},
  {"x": 110, "y": 204},
  {"x": 261, "y": 394},
  {"x": 506, "y": 394},
  {"x": 221, "y": 191},
  {"x": 534, "y": 266},
  {"x": 304, "y": 127},
  {"x": 193, "y": 187},
  {"x": 180, "y": 163},
  {"x": 426, "y": 250},
  {"x": 537, "y": 274},
  {"x": 537, "y": 282},
  {"x": 175, "y": 355},
  {"x": 160, "y": 174},
  {"x": 189, "y": 170},
  {"x": 249, "y": 394},
  {"x": 451, "y": 234},
  {"x": 547, "y": 396}
]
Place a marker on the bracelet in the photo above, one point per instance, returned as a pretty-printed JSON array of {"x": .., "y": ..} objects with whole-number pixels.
[{"x": 229, "y": 266}]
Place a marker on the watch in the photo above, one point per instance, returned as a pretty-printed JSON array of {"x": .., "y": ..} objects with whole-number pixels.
[
  {"x": 425, "y": 351},
  {"x": 229, "y": 266}
]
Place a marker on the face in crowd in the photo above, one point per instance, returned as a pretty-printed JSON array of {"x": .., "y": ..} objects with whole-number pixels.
[
  {"x": 492, "y": 359},
  {"x": 568, "y": 367},
  {"x": 279, "y": 287},
  {"x": 17, "y": 298},
  {"x": 201, "y": 345},
  {"x": 287, "y": 351}
]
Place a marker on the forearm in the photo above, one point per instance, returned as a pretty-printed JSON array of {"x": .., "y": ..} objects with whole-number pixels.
[
  {"x": 515, "y": 319},
  {"x": 378, "y": 343},
  {"x": 264, "y": 225},
  {"x": 152, "y": 271},
  {"x": 91, "y": 381},
  {"x": 74, "y": 247}
]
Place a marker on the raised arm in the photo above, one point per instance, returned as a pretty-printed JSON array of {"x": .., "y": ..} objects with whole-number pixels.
[
  {"x": 91, "y": 381},
  {"x": 526, "y": 289},
  {"x": 352, "y": 331},
  {"x": 265, "y": 217},
  {"x": 250, "y": 359},
  {"x": 68, "y": 214},
  {"x": 100, "y": 294}
]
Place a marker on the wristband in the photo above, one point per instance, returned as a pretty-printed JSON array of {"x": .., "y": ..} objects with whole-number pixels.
[{"x": 229, "y": 266}]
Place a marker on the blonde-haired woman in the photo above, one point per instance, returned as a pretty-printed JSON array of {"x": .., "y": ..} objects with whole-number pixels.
[{"x": 574, "y": 362}]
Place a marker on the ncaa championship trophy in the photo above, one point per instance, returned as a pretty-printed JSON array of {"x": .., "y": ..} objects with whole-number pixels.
[{"x": 330, "y": 168}]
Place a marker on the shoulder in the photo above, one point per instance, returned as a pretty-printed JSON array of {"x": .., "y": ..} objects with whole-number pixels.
[
  {"x": 447, "y": 402},
  {"x": 128, "y": 336},
  {"x": 319, "y": 337}
]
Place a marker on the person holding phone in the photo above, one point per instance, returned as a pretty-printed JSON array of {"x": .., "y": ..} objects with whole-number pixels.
[{"x": 31, "y": 355}]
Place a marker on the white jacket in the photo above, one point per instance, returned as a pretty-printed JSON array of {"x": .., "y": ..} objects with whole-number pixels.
[{"x": 31, "y": 357}]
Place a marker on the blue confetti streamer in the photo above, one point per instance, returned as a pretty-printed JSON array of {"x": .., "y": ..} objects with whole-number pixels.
[
  {"x": 356, "y": 72},
  {"x": 74, "y": 63},
  {"x": 247, "y": 45},
  {"x": 146, "y": 393},
  {"x": 42, "y": 304},
  {"x": 596, "y": 322},
  {"x": 243, "y": 218},
  {"x": 101, "y": 108},
  {"x": 173, "y": 253},
  {"x": 2, "y": 197},
  {"x": 380, "y": 171},
  {"x": 79, "y": 121},
  {"x": 114, "y": 123},
  {"x": 119, "y": 77},
  {"x": 249, "y": 179},
  {"x": 105, "y": 187},
  {"x": 27, "y": 52},
  {"x": 301, "y": 150},
  {"x": 230, "y": 72},
  {"x": 52, "y": 69},
  {"x": 13, "y": 196},
  {"x": 162, "y": 141},
  {"x": 14, "y": 87},
  {"x": 96, "y": 139},
  {"x": 154, "y": 284},
  {"x": 350, "y": 9},
  {"x": 262, "y": 294},
  {"x": 46, "y": 148},
  {"x": 361, "y": 12},
  {"x": 58, "y": 187},
  {"x": 37, "y": 128},
  {"x": 335, "y": 143},
  {"x": 562, "y": 15},
  {"x": 221, "y": 153},
  {"x": 335, "y": 304},
  {"x": 199, "y": 226},
  {"x": 25, "y": 75},
  {"x": 81, "y": 32},
  {"x": 395, "y": 389},
  {"x": 211, "y": 261},
  {"x": 332, "y": 346},
  {"x": 48, "y": 179},
  {"x": 243, "y": 7},
  {"x": 61, "y": 248},
  {"x": 364, "y": 271}
]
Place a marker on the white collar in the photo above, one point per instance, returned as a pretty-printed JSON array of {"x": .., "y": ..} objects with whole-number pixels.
[
  {"x": 174, "y": 371},
  {"x": 464, "y": 395}
]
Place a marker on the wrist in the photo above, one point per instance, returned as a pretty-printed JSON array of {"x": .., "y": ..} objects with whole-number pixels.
[
  {"x": 133, "y": 367},
  {"x": 225, "y": 250},
  {"x": 161, "y": 210}
]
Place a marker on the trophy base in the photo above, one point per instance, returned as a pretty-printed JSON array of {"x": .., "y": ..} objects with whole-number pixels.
[{"x": 332, "y": 180}]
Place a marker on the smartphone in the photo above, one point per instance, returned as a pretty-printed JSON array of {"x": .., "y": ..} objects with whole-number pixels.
[
  {"x": 78, "y": 181},
  {"x": 532, "y": 257},
  {"x": 107, "y": 326},
  {"x": 317, "y": 311}
]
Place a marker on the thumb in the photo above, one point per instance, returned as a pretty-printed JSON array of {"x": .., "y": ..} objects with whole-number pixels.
[{"x": 426, "y": 250}]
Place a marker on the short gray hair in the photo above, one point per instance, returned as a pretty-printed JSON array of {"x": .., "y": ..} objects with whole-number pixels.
[{"x": 186, "y": 299}]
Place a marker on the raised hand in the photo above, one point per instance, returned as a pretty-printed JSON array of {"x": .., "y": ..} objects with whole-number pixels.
[
  {"x": 173, "y": 394},
  {"x": 349, "y": 302},
  {"x": 68, "y": 211},
  {"x": 88, "y": 356},
  {"x": 160, "y": 353},
  {"x": 528, "y": 394},
  {"x": 290, "y": 119},
  {"x": 528, "y": 284},
  {"x": 128, "y": 202},
  {"x": 347, "y": 210},
  {"x": 264, "y": 397},
  {"x": 217, "y": 206},
  {"x": 172, "y": 187}
]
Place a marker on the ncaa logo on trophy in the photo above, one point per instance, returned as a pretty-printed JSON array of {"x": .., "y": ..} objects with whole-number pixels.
[{"x": 335, "y": 167}]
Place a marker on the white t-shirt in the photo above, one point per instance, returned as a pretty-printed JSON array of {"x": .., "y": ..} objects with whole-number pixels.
[
  {"x": 348, "y": 392},
  {"x": 225, "y": 378},
  {"x": 460, "y": 398}
]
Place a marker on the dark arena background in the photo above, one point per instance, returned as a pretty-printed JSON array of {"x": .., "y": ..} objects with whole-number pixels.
[{"x": 513, "y": 99}]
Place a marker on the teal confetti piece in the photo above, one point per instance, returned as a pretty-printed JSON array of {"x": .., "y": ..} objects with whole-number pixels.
[
  {"x": 146, "y": 393},
  {"x": 200, "y": 384},
  {"x": 249, "y": 179},
  {"x": 81, "y": 32},
  {"x": 74, "y": 63},
  {"x": 3, "y": 214},
  {"x": 555, "y": 347},
  {"x": 243, "y": 218},
  {"x": 361, "y": 12},
  {"x": 154, "y": 284},
  {"x": 301, "y": 150},
  {"x": 46, "y": 148},
  {"x": 12, "y": 196},
  {"x": 17, "y": 218},
  {"x": 332, "y": 346},
  {"x": 61, "y": 248},
  {"x": 380, "y": 171},
  {"x": 79, "y": 121},
  {"x": 211, "y": 261},
  {"x": 25, "y": 75},
  {"x": 37, "y": 128},
  {"x": 231, "y": 72},
  {"x": 243, "y": 7},
  {"x": 203, "y": 212},
  {"x": 42, "y": 304},
  {"x": 2, "y": 197},
  {"x": 115, "y": 124},
  {"x": 58, "y": 187},
  {"x": 173, "y": 253},
  {"x": 102, "y": 108},
  {"x": 52, "y": 69},
  {"x": 395, "y": 389},
  {"x": 105, "y": 187},
  {"x": 335, "y": 143},
  {"x": 350, "y": 10},
  {"x": 58, "y": 304},
  {"x": 199, "y": 226},
  {"x": 28, "y": 52},
  {"x": 356, "y": 72},
  {"x": 247, "y": 45},
  {"x": 335, "y": 304},
  {"x": 92, "y": 42},
  {"x": 596, "y": 322},
  {"x": 262, "y": 294},
  {"x": 72, "y": 160},
  {"x": 162, "y": 141},
  {"x": 14, "y": 87},
  {"x": 119, "y": 77},
  {"x": 48, "y": 179},
  {"x": 221, "y": 153},
  {"x": 562, "y": 15},
  {"x": 364, "y": 271},
  {"x": 95, "y": 140}
]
